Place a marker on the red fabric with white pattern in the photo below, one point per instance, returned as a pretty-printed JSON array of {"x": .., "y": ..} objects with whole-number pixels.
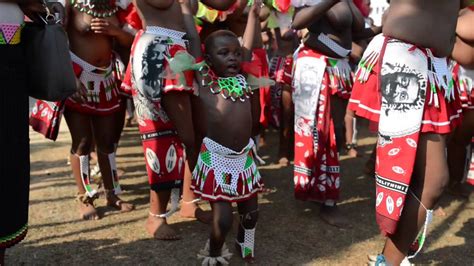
[{"x": 317, "y": 170}]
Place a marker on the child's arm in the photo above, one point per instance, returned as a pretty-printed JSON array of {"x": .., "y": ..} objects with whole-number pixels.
[
  {"x": 305, "y": 16},
  {"x": 464, "y": 27},
  {"x": 103, "y": 26},
  {"x": 358, "y": 21},
  {"x": 191, "y": 34},
  {"x": 221, "y": 5},
  {"x": 252, "y": 30},
  {"x": 366, "y": 33},
  {"x": 191, "y": 31}
]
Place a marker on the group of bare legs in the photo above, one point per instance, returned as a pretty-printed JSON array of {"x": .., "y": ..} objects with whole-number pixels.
[{"x": 87, "y": 130}]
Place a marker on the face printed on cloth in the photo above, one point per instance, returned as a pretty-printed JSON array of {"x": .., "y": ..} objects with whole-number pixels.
[
  {"x": 153, "y": 60},
  {"x": 402, "y": 88},
  {"x": 308, "y": 80}
]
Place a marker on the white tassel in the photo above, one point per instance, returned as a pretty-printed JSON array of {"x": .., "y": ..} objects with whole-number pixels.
[{"x": 208, "y": 260}]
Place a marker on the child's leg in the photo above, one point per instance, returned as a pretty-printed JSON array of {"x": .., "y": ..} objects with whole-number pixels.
[
  {"x": 178, "y": 107},
  {"x": 156, "y": 224},
  {"x": 248, "y": 212},
  {"x": 349, "y": 121},
  {"x": 338, "y": 112},
  {"x": 370, "y": 164},
  {"x": 286, "y": 125},
  {"x": 428, "y": 182},
  {"x": 81, "y": 134},
  {"x": 119, "y": 122},
  {"x": 130, "y": 107},
  {"x": 183, "y": 110},
  {"x": 460, "y": 139},
  {"x": 105, "y": 135},
  {"x": 221, "y": 225}
]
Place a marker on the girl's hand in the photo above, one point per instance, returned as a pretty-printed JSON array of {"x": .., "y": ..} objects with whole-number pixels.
[
  {"x": 80, "y": 95},
  {"x": 103, "y": 26}
]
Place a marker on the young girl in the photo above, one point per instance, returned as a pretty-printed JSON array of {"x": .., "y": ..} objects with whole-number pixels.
[
  {"x": 226, "y": 171},
  {"x": 463, "y": 53},
  {"x": 93, "y": 28},
  {"x": 281, "y": 67},
  {"x": 322, "y": 80}
]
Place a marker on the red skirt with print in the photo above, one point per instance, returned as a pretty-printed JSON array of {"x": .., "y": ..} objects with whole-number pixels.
[{"x": 366, "y": 101}]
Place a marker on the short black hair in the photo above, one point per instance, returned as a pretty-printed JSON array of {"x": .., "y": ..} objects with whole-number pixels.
[{"x": 211, "y": 39}]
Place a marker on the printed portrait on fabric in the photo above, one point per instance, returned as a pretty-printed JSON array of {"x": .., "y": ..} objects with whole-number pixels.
[
  {"x": 404, "y": 78},
  {"x": 308, "y": 77},
  {"x": 149, "y": 67},
  {"x": 403, "y": 88}
]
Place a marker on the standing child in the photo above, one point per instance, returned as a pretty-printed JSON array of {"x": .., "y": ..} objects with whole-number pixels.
[
  {"x": 226, "y": 171},
  {"x": 280, "y": 70},
  {"x": 322, "y": 81},
  {"x": 461, "y": 138},
  {"x": 163, "y": 108}
]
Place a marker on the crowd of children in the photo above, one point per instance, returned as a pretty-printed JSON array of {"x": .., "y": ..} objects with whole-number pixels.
[{"x": 208, "y": 77}]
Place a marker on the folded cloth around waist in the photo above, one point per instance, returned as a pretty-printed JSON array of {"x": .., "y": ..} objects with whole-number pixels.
[
  {"x": 340, "y": 75},
  {"x": 435, "y": 69},
  {"x": 177, "y": 37},
  {"x": 101, "y": 83},
  {"x": 229, "y": 167},
  {"x": 390, "y": 61}
]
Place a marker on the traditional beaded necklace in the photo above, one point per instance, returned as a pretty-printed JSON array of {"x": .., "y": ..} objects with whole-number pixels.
[
  {"x": 232, "y": 88},
  {"x": 96, "y": 8}
]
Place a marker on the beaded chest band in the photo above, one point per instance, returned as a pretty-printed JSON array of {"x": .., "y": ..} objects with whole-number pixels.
[{"x": 96, "y": 8}]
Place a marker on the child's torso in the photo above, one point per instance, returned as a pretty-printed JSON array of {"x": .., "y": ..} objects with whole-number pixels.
[
  {"x": 228, "y": 123},
  {"x": 92, "y": 47}
]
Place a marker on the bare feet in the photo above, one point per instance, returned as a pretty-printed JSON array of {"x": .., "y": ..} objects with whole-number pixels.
[
  {"x": 440, "y": 212},
  {"x": 115, "y": 202},
  {"x": 192, "y": 210},
  {"x": 160, "y": 229},
  {"x": 333, "y": 216},
  {"x": 248, "y": 259},
  {"x": 130, "y": 122},
  {"x": 284, "y": 161},
  {"x": 87, "y": 210},
  {"x": 352, "y": 153}
]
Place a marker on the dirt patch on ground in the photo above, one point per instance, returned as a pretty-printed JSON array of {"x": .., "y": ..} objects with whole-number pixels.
[{"x": 289, "y": 231}]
